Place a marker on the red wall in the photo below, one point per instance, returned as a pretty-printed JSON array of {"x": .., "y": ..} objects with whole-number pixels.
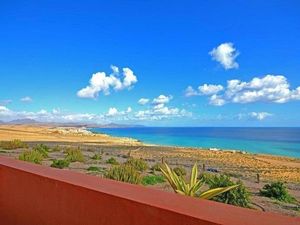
[{"x": 36, "y": 195}]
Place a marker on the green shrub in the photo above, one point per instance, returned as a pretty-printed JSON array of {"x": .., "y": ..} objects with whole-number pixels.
[
  {"x": 277, "y": 190},
  {"x": 138, "y": 164},
  {"x": 124, "y": 173},
  {"x": 14, "y": 144},
  {"x": 238, "y": 196},
  {"x": 74, "y": 155},
  {"x": 60, "y": 163},
  {"x": 94, "y": 169},
  {"x": 112, "y": 161},
  {"x": 156, "y": 167},
  {"x": 206, "y": 177},
  {"x": 96, "y": 156},
  {"x": 55, "y": 149},
  {"x": 152, "y": 180},
  {"x": 180, "y": 171},
  {"x": 31, "y": 156},
  {"x": 43, "y": 149}
]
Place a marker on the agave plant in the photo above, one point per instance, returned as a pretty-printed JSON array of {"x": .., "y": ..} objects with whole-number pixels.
[{"x": 191, "y": 188}]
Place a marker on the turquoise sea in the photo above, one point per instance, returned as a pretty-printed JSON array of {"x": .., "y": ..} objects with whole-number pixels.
[{"x": 275, "y": 141}]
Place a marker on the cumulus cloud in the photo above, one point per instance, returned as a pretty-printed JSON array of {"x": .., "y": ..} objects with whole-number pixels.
[
  {"x": 162, "y": 99},
  {"x": 206, "y": 89},
  {"x": 161, "y": 113},
  {"x": 210, "y": 89},
  {"x": 225, "y": 54},
  {"x": 113, "y": 112},
  {"x": 26, "y": 99},
  {"x": 216, "y": 100},
  {"x": 129, "y": 110},
  {"x": 159, "y": 110},
  {"x": 143, "y": 101},
  {"x": 190, "y": 91},
  {"x": 57, "y": 115},
  {"x": 4, "y": 110},
  {"x": 100, "y": 82},
  {"x": 270, "y": 88},
  {"x": 254, "y": 116},
  {"x": 260, "y": 115}
]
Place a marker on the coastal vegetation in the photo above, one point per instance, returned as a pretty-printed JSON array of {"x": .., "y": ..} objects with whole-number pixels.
[
  {"x": 112, "y": 161},
  {"x": 238, "y": 196},
  {"x": 43, "y": 149},
  {"x": 156, "y": 167},
  {"x": 191, "y": 188},
  {"x": 13, "y": 144},
  {"x": 94, "y": 169},
  {"x": 124, "y": 173},
  {"x": 96, "y": 156},
  {"x": 277, "y": 191},
  {"x": 74, "y": 155},
  {"x": 31, "y": 156},
  {"x": 152, "y": 180},
  {"x": 55, "y": 149},
  {"x": 138, "y": 164},
  {"x": 60, "y": 163},
  {"x": 180, "y": 171}
]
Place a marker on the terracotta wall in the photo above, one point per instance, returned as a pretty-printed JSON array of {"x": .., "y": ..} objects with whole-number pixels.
[{"x": 36, "y": 195}]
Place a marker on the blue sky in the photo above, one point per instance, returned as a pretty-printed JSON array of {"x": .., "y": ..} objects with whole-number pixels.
[{"x": 51, "y": 49}]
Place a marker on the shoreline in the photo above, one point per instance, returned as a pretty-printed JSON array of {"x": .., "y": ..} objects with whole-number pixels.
[{"x": 237, "y": 151}]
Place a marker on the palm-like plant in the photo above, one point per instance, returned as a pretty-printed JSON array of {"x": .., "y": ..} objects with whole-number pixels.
[{"x": 191, "y": 188}]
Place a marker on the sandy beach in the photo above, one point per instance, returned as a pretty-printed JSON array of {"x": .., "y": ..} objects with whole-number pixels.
[{"x": 238, "y": 165}]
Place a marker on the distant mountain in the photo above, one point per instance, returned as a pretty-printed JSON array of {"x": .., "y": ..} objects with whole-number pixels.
[
  {"x": 31, "y": 121},
  {"x": 23, "y": 121}
]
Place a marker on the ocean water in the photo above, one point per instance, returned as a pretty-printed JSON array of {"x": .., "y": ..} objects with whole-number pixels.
[{"x": 275, "y": 141}]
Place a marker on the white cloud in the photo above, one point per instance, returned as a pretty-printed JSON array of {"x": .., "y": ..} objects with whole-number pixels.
[
  {"x": 216, "y": 100},
  {"x": 225, "y": 54},
  {"x": 161, "y": 113},
  {"x": 205, "y": 89},
  {"x": 129, "y": 78},
  {"x": 190, "y": 91},
  {"x": 260, "y": 115},
  {"x": 270, "y": 88},
  {"x": 210, "y": 89},
  {"x": 81, "y": 117},
  {"x": 158, "y": 106},
  {"x": 129, "y": 110},
  {"x": 159, "y": 110},
  {"x": 143, "y": 101},
  {"x": 162, "y": 99},
  {"x": 26, "y": 99},
  {"x": 100, "y": 82},
  {"x": 112, "y": 112},
  {"x": 4, "y": 110},
  {"x": 115, "y": 69}
]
